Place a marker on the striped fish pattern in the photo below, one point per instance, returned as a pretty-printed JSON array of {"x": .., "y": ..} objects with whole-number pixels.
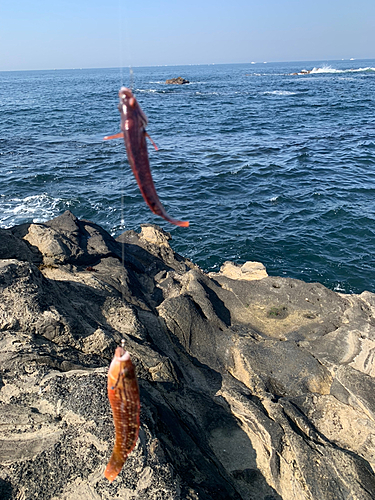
[{"x": 123, "y": 395}]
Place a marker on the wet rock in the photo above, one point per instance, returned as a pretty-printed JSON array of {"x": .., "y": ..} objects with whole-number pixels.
[
  {"x": 250, "y": 388},
  {"x": 176, "y": 81}
]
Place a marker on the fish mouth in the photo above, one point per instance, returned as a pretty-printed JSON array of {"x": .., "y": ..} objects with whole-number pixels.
[
  {"x": 125, "y": 92},
  {"x": 121, "y": 354}
]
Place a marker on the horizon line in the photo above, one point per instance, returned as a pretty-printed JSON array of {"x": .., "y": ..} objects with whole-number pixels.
[{"x": 187, "y": 64}]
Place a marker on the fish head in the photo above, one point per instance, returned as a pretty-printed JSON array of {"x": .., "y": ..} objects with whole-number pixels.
[
  {"x": 121, "y": 369},
  {"x": 130, "y": 110}
]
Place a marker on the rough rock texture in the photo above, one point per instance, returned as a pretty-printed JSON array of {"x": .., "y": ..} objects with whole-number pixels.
[
  {"x": 176, "y": 81},
  {"x": 250, "y": 389},
  {"x": 248, "y": 271}
]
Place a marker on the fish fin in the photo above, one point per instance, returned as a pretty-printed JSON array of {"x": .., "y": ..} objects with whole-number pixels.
[
  {"x": 152, "y": 142},
  {"x": 120, "y": 135}
]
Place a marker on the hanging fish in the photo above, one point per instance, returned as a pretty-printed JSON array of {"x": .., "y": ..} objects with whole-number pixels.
[
  {"x": 123, "y": 395},
  {"x": 133, "y": 124}
]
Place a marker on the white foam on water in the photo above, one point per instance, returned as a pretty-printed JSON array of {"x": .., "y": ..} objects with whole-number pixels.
[
  {"x": 36, "y": 208},
  {"x": 236, "y": 170},
  {"x": 369, "y": 68},
  {"x": 148, "y": 90},
  {"x": 265, "y": 74},
  {"x": 325, "y": 69},
  {"x": 279, "y": 92},
  {"x": 329, "y": 69},
  {"x": 339, "y": 288},
  {"x": 207, "y": 93}
]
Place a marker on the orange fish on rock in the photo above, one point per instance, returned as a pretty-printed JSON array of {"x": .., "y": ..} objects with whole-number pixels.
[
  {"x": 133, "y": 130},
  {"x": 123, "y": 395}
]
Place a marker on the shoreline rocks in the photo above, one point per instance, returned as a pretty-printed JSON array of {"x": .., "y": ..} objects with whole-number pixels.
[{"x": 250, "y": 388}]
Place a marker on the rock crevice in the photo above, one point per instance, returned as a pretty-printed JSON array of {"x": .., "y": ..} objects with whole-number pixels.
[{"x": 252, "y": 387}]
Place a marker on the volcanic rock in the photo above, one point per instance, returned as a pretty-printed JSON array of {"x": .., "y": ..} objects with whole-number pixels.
[{"x": 250, "y": 388}]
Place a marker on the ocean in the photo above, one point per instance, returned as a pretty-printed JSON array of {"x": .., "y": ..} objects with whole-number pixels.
[{"x": 267, "y": 165}]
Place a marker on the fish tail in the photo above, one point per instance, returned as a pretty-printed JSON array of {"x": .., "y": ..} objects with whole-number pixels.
[
  {"x": 158, "y": 209},
  {"x": 114, "y": 467},
  {"x": 181, "y": 223}
]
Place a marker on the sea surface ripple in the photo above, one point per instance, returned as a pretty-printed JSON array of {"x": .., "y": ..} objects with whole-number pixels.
[{"x": 267, "y": 165}]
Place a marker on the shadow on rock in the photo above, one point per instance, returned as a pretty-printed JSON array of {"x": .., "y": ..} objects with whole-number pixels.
[
  {"x": 251, "y": 389},
  {"x": 5, "y": 490}
]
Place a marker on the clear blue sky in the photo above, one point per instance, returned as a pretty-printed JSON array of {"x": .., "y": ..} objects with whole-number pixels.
[{"x": 41, "y": 34}]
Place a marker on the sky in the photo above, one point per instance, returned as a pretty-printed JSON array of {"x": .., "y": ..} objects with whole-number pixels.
[{"x": 55, "y": 34}]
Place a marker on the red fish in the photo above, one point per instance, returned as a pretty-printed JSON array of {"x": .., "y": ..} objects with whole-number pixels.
[
  {"x": 123, "y": 395},
  {"x": 133, "y": 127}
]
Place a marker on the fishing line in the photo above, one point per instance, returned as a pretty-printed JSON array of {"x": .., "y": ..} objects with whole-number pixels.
[
  {"x": 121, "y": 40},
  {"x": 123, "y": 28},
  {"x": 131, "y": 77}
]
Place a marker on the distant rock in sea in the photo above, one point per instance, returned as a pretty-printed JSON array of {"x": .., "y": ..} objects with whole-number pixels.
[
  {"x": 177, "y": 81},
  {"x": 252, "y": 386},
  {"x": 303, "y": 72}
]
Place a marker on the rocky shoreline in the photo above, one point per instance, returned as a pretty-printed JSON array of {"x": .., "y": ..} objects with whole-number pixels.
[{"x": 252, "y": 387}]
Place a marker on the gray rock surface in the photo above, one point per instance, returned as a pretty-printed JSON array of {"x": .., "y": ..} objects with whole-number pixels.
[{"x": 250, "y": 389}]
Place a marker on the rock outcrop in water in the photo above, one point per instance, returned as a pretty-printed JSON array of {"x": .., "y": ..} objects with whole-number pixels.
[
  {"x": 177, "y": 81},
  {"x": 250, "y": 389}
]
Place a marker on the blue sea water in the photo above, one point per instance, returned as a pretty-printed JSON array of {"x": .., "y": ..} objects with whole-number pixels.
[{"x": 265, "y": 164}]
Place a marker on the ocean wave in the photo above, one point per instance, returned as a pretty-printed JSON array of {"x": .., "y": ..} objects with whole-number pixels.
[
  {"x": 329, "y": 69},
  {"x": 340, "y": 287},
  {"x": 279, "y": 92},
  {"x": 189, "y": 83},
  {"x": 36, "y": 208},
  {"x": 147, "y": 91},
  {"x": 267, "y": 74}
]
